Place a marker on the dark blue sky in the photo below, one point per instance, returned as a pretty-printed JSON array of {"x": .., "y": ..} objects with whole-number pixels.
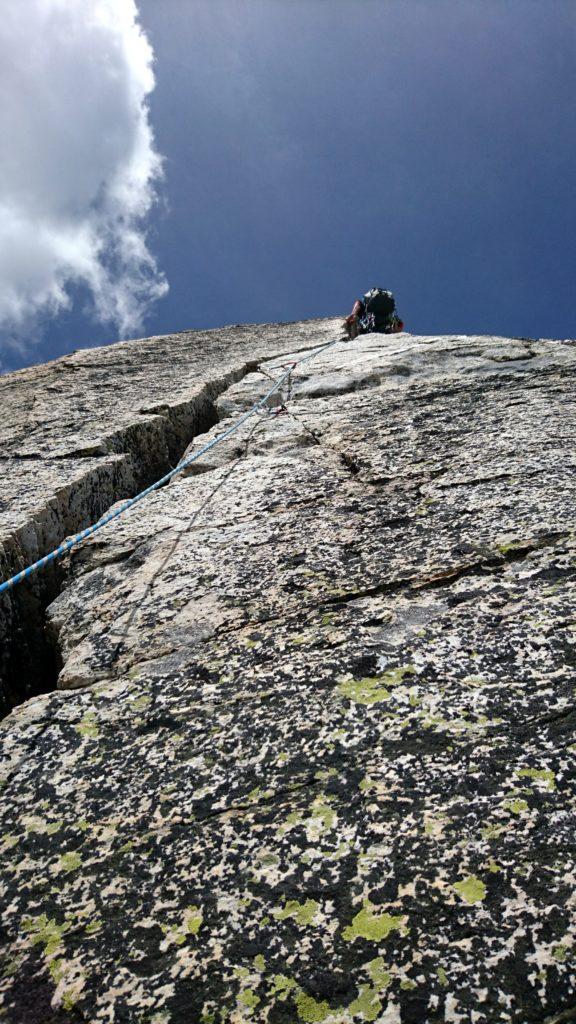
[{"x": 314, "y": 148}]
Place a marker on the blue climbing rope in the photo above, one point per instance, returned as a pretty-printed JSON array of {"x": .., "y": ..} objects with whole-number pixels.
[{"x": 67, "y": 545}]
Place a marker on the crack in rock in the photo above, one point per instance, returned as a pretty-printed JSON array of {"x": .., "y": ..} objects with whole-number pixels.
[{"x": 316, "y": 759}]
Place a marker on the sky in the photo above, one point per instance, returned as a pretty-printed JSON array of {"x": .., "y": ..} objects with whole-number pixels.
[{"x": 193, "y": 163}]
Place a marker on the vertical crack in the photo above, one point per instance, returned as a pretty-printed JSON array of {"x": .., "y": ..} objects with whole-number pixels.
[{"x": 30, "y": 661}]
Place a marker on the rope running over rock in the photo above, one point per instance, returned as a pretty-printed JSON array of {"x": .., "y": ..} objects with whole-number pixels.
[{"x": 67, "y": 545}]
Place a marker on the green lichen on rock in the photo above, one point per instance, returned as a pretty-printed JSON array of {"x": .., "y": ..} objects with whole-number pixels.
[
  {"x": 517, "y": 544},
  {"x": 282, "y": 986},
  {"x": 69, "y": 999},
  {"x": 94, "y": 926},
  {"x": 373, "y": 925},
  {"x": 471, "y": 889},
  {"x": 378, "y": 971},
  {"x": 57, "y": 968},
  {"x": 442, "y": 976},
  {"x": 70, "y": 862},
  {"x": 516, "y": 805},
  {"x": 46, "y": 932},
  {"x": 323, "y": 813},
  {"x": 300, "y": 795},
  {"x": 193, "y": 920},
  {"x": 302, "y": 913},
  {"x": 248, "y": 999},
  {"x": 369, "y": 690},
  {"x": 374, "y": 689},
  {"x": 88, "y": 727},
  {"x": 543, "y": 775},
  {"x": 310, "y": 1010},
  {"x": 367, "y": 1005},
  {"x": 141, "y": 703}
]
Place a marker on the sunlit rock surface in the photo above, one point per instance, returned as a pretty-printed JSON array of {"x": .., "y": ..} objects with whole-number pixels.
[
  {"x": 100, "y": 424},
  {"x": 312, "y": 758}
]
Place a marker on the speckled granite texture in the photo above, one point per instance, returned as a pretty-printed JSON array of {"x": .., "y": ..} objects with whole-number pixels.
[{"x": 312, "y": 758}]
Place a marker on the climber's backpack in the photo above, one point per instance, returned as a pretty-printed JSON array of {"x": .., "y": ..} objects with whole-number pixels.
[{"x": 379, "y": 306}]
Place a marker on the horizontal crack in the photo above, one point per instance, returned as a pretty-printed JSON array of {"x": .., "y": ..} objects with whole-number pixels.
[
  {"x": 148, "y": 829},
  {"x": 475, "y": 481},
  {"x": 448, "y": 576},
  {"x": 265, "y": 801},
  {"x": 408, "y": 585},
  {"x": 557, "y": 716}
]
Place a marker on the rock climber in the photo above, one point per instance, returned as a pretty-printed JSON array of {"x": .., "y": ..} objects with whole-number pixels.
[{"x": 375, "y": 311}]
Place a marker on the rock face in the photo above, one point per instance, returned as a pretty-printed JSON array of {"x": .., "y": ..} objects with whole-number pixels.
[
  {"x": 312, "y": 753},
  {"x": 83, "y": 431}
]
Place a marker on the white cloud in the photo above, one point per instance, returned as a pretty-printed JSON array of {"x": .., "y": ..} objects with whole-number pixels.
[{"x": 78, "y": 167}]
